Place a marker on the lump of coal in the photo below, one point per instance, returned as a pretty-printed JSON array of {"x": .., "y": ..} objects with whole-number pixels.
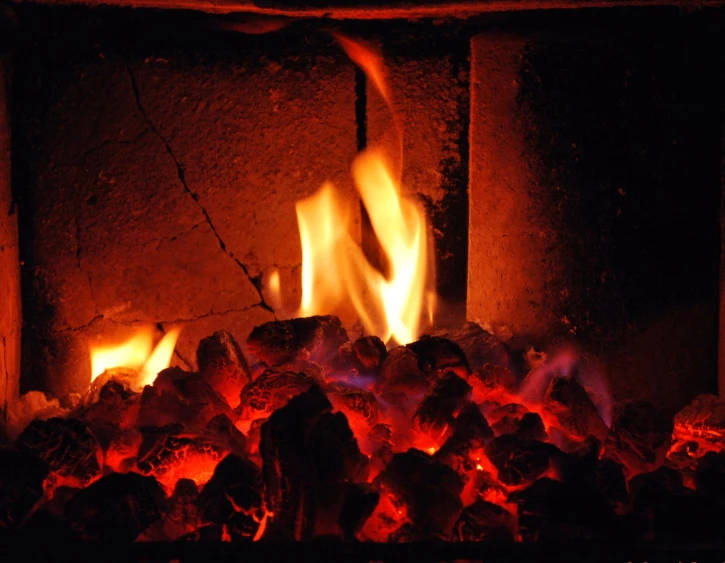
[
  {"x": 437, "y": 356},
  {"x": 115, "y": 410},
  {"x": 312, "y": 338},
  {"x": 182, "y": 516},
  {"x": 222, "y": 430},
  {"x": 180, "y": 397},
  {"x": 507, "y": 418},
  {"x": 170, "y": 453},
  {"x": 531, "y": 427},
  {"x": 233, "y": 495},
  {"x": 520, "y": 461},
  {"x": 490, "y": 381},
  {"x": 401, "y": 380},
  {"x": 552, "y": 511},
  {"x": 437, "y": 410},
  {"x": 310, "y": 457},
  {"x": 674, "y": 513},
  {"x": 702, "y": 422},
  {"x": 483, "y": 521},
  {"x": 584, "y": 469},
  {"x": 428, "y": 489},
  {"x": 222, "y": 364},
  {"x": 480, "y": 347},
  {"x": 116, "y": 508},
  {"x": 710, "y": 477},
  {"x": 639, "y": 436},
  {"x": 21, "y": 485},
  {"x": 359, "y": 504},
  {"x": 67, "y": 446},
  {"x": 358, "y": 405},
  {"x": 574, "y": 410},
  {"x": 365, "y": 356},
  {"x": 272, "y": 390},
  {"x": 462, "y": 450}
]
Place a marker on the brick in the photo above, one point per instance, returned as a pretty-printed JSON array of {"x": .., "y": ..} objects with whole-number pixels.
[
  {"x": 511, "y": 237},
  {"x": 10, "y": 312},
  {"x": 593, "y": 183},
  {"x": 166, "y": 188}
]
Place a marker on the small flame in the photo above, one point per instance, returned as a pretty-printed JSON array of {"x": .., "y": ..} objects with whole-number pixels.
[
  {"x": 160, "y": 358},
  {"x": 136, "y": 353},
  {"x": 334, "y": 267}
]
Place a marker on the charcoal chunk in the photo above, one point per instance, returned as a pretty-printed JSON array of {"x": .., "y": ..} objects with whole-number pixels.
[
  {"x": 116, "y": 508},
  {"x": 271, "y": 391},
  {"x": 428, "y": 490},
  {"x": 675, "y": 513},
  {"x": 359, "y": 406},
  {"x": 639, "y": 437},
  {"x": 310, "y": 457},
  {"x": 471, "y": 432},
  {"x": 483, "y": 521},
  {"x": 178, "y": 396},
  {"x": 702, "y": 422},
  {"x": 171, "y": 453},
  {"x": 21, "y": 485},
  {"x": 438, "y": 356},
  {"x": 584, "y": 469},
  {"x": 574, "y": 410},
  {"x": 552, "y": 511},
  {"x": 490, "y": 381},
  {"x": 312, "y": 338},
  {"x": 520, "y": 461},
  {"x": 480, "y": 347},
  {"x": 437, "y": 410},
  {"x": 182, "y": 516},
  {"x": 531, "y": 427},
  {"x": 402, "y": 383},
  {"x": 232, "y": 497},
  {"x": 67, "y": 446},
  {"x": 222, "y": 364},
  {"x": 365, "y": 356},
  {"x": 710, "y": 477},
  {"x": 359, "y": 504},
  {"x": 506, "y": 418}
]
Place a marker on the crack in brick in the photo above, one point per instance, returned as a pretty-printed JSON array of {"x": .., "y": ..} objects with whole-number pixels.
[
  {"x": 255, "y": 281},
  {"x": 181, "y": 320}
]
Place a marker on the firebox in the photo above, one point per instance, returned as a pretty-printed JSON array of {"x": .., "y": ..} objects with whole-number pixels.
[{"x": 380, "y": 273}]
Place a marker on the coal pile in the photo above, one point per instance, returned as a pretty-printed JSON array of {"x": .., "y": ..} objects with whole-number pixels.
[{"x": 311, "y": 436}]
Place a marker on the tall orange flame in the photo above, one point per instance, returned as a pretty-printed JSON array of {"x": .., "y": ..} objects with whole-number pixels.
[{"x": 334, "y": 268}]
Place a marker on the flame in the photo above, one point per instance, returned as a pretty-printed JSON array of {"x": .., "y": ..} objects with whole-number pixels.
[
  {"x": 334, "y": 268},
  {"x": 136, "y": 353}
]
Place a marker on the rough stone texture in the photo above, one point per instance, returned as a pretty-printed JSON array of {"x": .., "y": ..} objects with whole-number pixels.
[
  {"x": 165, "y": 181},
  {"x": 512, "y": 258},
  {"x": 428, "y": 79},
  {"x": 594, "y": 194},
  {"x": 10, "y": 312}
]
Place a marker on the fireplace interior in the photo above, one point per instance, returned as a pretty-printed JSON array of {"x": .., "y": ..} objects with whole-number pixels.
[{"x": 560, "y": 378}]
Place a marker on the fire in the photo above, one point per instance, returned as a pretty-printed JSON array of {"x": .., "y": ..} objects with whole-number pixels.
[
  {"x": 137, "y": 353},
  {"x": 334, "y": 268}
]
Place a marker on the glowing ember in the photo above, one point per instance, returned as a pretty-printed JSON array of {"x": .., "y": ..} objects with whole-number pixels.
[{"x": 137, "y": 354}]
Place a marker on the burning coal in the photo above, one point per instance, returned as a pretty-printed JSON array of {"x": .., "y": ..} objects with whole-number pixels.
[
  {"x": 324, "y": 436},
  {"x": 438, "y": 438}
]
